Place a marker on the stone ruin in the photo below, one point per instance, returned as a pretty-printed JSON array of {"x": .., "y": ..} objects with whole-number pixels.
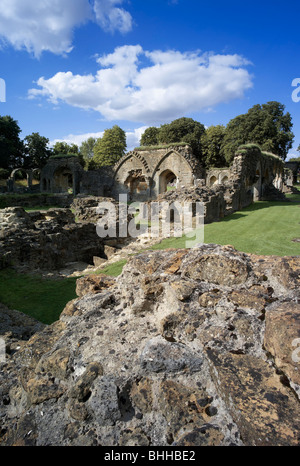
[
  {"x": 294, "y": 170},
  {"x": 49, "y": 240},
  {"x": 146, "y": 174},
  {"x": 252, "y": 176},
  {"x": 187, "y": 347},
  {"x": 143, "y": 175},
  {"x": 53, "y": 239}
]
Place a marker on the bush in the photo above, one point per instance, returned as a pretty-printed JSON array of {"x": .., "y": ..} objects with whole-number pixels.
[
  {"x": 63, "y": 156},
  {"x": 4, "y": 174}
]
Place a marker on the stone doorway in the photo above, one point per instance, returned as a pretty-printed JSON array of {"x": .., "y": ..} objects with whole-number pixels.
[
  {"x": 136, "y": 182},
  {"x": 63, "y": 180},
  {"x": 167, "y": 181}
]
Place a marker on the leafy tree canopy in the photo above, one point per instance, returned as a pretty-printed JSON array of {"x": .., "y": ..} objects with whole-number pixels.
[
  {"x": 266, "y": 125},
  {"x": 37, "y": 151},
  {"x": 150, "y": 137},
  {"x": 62, "y": 147},
  {"x": 110, "y": 148},
  {"x": 11, "y": 146},
  {"x": 211, "y": 142},
  {"x": 87, "y": 150},
  {"x": 183, "y": 130}
]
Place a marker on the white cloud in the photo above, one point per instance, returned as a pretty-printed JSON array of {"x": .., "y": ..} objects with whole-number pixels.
[
  {"x": 48, "y": 25},
  {"x": 165, "y": 86},
  {"x": 132, "y": 138},
  {"x": 112, "y": 18},
  {"x": 76, "y": 138}
]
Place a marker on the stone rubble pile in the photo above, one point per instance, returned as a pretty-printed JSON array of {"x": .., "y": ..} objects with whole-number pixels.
[{"x": 185, "y": 348}]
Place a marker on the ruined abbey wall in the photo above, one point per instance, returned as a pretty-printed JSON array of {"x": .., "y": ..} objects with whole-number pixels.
[
  {"x": 145, "y": 174},
  {"x": 61, "y": 175}
]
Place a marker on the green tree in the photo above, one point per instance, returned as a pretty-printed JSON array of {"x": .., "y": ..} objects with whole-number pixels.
[
  {"x": 266, "y": 125},
  {"x": 150, "y": 137},
  {"x": 110, "y": 148},
  {"x": 11, "y": 146},
  {"x": 37, "y": 150},
  {"x": 87, "y": 150},
  {"x": 183, "y": 130},
  {"x": 211, "y": 142},
  {"x": 62, "y": 147}
]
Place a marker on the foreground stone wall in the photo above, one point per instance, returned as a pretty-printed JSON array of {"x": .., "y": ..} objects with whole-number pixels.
[{"x": 184, "y": 348}]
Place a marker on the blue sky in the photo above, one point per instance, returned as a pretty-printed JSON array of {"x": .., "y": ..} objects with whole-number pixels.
[{"x": 73, "y": 68}]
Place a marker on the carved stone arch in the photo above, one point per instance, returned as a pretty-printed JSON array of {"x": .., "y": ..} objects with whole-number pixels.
[
  {"x": 166, "y": 155},
  {"x": 35, "y": 170},
  {"x": 16, "y": 170},
  {"x": 124, "y": 159},
  {"x": 29, "y": 176},
  {"x": 224, "y": 179},
  {"x": 213, "y": 180}
]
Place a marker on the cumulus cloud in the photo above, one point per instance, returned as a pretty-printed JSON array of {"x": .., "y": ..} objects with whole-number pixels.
[
  {"x": 150, "y": 87},
  {"x": 76, "y": 138},
  {"x": 112, "y": 18},
  {"x": 48, "y": 25}
]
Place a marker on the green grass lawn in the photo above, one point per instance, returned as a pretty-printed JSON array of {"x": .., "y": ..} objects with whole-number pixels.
[
  {"x": 43, "y": 299},
  {"x": 113, "y": 270},
  {"x": 33, "y": 209},
  {"x": 263, "y": 228},
  {"x": 266, "y": 228}
]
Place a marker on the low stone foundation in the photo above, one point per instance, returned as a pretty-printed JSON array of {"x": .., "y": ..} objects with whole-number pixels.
[
  {"x": 36, "y": 200},
  {"x": 46, "y": 240}
]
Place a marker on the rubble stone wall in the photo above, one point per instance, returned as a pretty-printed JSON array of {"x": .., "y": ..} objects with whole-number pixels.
[{"x": 46, "y": 240}]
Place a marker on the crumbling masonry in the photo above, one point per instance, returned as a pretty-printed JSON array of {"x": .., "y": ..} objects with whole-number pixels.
[{"x": 168, "y": 172}]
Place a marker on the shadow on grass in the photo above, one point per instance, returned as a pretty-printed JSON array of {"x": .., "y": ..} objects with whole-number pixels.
[
  {"x": 234, "y": 216},
  {"x": 41, "y": 298}
]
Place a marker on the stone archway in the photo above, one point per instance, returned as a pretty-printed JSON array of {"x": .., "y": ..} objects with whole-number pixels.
[
  {"x": 63, "y": 179},
  {"x": 136, "y": 182},
  {"x": 160, "y": 169},
  {"x": 257, "y": 187},
  {"x": 12, "y": 179},
  {"x": 225, "y": 179},
  {"x": 212, "y": 181},
  {"x": 167, "y": 180}
]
